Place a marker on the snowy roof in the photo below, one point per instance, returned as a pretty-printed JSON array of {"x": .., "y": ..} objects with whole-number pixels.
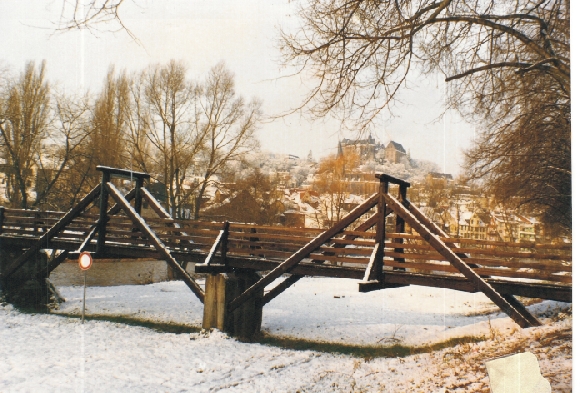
[
  {"x": 397, "y": 146},
  {"x": 438, "y": 175}
]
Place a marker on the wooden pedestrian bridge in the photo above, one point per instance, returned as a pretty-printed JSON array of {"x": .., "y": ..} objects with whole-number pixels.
[{"x": 240, "y": 260}]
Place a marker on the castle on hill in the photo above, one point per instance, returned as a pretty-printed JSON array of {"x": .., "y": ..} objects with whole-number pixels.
[{"x": 369, "y": 149}]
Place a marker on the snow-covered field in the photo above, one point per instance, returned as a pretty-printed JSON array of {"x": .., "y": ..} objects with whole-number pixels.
[{"x": 55, "y": 353}]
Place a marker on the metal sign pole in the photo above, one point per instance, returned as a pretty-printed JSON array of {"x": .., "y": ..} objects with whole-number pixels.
[
  {"x": 84, "y": 295},
  {"x": 85, "y": 263}
]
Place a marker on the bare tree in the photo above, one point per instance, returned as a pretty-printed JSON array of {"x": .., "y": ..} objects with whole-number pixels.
[
  {"x": 172, "y": 122},
  {"x": 56, "y": 186},
  {"x": 90, "y": 14},
  {"x": 228, "y": 126},
  {"x": 527, "y": 160},
  {"x": 507, "y": 64},
  {"x": 137, "y": 117},
  {"x": 24, "y": 119}
]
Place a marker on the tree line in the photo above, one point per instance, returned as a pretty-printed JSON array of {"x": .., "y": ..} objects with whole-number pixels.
[{"x": 156, "y": 120}]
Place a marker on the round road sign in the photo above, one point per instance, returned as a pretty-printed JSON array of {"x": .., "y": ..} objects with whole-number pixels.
[{"x": 85, "y": 260}]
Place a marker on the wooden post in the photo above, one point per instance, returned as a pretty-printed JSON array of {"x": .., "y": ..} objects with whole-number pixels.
[
  {"x": 214, "y": 305},
  {"x": 373, "y": 278},
  {"x": 36, "y": 221},
  {"x": 400, "y": 226},
  {"x": 377, "y": 271},
  {"x": 224, "y": 243},
  {"x": 138, "y": 195},
  {"x": 105, "y": 178},
  {"x": 252, "y": 241},
  {"x": 245, "y": 321},
  {"x": 2, "y": 213}
]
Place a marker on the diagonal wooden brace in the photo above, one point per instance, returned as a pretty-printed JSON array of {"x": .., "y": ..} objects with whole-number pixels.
[
  {"x": 287, "y": 283},
  {"x": 56, "y": 261},
  {"x": 221, "y": 239},
  {"x": 53, "y": 231},
  {"x": 372, "y": 263},
  {"x": 304, "y": 252},
  {"x": 365, "y": 226},
  {"x": 157, "y": 243},
  {"x": 456, "y": 261},
  {"x": 162, "y": 213},
  {"x": 438, "y": 231}
]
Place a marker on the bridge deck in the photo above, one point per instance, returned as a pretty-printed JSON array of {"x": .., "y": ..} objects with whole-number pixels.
[{"x": 525, "y": 269}]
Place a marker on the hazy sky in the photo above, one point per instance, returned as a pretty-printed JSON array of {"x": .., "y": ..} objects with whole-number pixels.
[{"x": 243, "y": 34}]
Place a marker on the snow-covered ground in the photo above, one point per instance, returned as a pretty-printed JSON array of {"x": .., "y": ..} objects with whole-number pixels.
[{"x": 53, "y": 353}]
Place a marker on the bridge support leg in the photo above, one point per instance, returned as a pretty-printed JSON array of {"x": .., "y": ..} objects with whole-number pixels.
[
  {"x": 214, "y": 302},
  {"x": 24, "y": 288},
  {"x": 245, "y": 321}
]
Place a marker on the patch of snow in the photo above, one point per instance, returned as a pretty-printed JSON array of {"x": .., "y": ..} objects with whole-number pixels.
[{"x": 52, "y": 353}]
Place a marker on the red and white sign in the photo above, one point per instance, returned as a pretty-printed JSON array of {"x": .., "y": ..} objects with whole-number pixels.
[{"x": 85, "y": 261}]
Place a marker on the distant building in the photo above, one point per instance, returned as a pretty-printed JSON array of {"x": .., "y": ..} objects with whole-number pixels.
[
  {"x": 434, "y": 179},
  {"x": 394, "y": 152},
  {"x": 370, "y": 149},
  {"x": 366, "y": 149}
]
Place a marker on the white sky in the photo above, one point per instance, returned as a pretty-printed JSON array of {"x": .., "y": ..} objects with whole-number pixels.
[{"x": 243, "y": 34}]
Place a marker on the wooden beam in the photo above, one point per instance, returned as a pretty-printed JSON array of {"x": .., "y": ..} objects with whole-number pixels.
[
  {"x": 103, "y": 207},
  {"x": 400, "y": 224},
  {"x": 393, "y": 180},
  {"x": 123, "y": 173},
  {"x": 224, "y": 243},
  {"x": 55, "y": 262},
  {"x": 372, "y": 261},
  {"x": 2, "y": 212},
  {"x": 365, "y": 226},
  {"x": 278, "y": 289},
  {"x": 303, "y": 252},
  {"x": 53, "y": 231},
  {"x": 157, "y": 243},
  {"x": 456, "y": 261},
  {"x": 438, "y": 231},
  {"x": 162, "y": 213},
  {"x": 376, "y": 269},
  {"x": 219, "y": 239},
  {"x": 138, "y": 194},
  {"x": 117, "y": 208},
  {"x": 155, "y": 205},
  {"x": 88, "y": 239}
]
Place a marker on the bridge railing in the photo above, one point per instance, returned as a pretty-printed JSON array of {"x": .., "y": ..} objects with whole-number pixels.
[{"x": 534, "y": 262}]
